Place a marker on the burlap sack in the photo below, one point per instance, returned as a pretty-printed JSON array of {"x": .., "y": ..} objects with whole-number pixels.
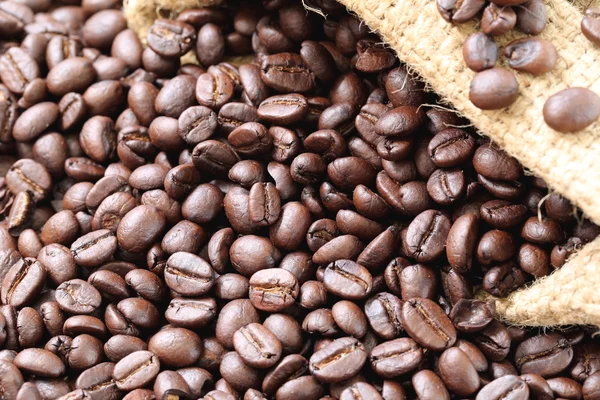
[{"x": 569, "y": 163}]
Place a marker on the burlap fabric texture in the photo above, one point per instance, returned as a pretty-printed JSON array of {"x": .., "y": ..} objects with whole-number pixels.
[{"x": 569, "y": 163}]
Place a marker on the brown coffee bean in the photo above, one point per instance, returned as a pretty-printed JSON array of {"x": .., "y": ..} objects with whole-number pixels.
[
  {"x": 427, "y": 324},
  {"x": 558, "y": 109},
  {"x": 338, "y": 361},
  {"x": 536, "y": 56},
  {"x": 493, "y": 89}
]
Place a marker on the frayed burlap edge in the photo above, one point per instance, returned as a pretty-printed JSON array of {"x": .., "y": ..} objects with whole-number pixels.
[
  {"x": 570, "y": 296},
  {"x": 569, "y": 163},
  {"x": 141, "y": 14}
]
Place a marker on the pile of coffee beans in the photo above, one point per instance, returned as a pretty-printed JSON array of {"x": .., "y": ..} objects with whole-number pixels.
[
  {"x": 493, "y": 88},
  {"x": 304, "y": 225}
]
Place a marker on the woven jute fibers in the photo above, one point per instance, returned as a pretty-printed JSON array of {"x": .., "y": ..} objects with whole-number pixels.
[
  {"x": 569, "y": 163},
  {"x": 141, "y": 14}
]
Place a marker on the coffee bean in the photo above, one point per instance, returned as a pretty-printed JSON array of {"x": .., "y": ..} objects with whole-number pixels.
[
  {"x": 546, "y": 355},
  {"x": 78, "y": 297},
  {"x": 40, "y": 362},
  {"x": 136, "y": 370},
  {"x": 11, "y": 378},
  {"x": 348, "y": 280},
  {"x": 471, "y": 315},
  {"x": 251, "y": 139},
  {"x": 188, "y": 274},
  {"x": 23, "y": 282},
  {"x": 176, "y": 96},
  {"x": 284, "y": 109},
  {"x": 590, "y": 25},
  {"x": 503, "y": 279},
  {"x": 494, "y": 341},
  {"x": 493, "y": 89},
  {"x": 170, "y": 38},
  {"x": 459, "y": 12},
  {"x": 400, "y": 121},
  {"x": 458, "y": 372},
  {"x": 427, "y": 324},
  {"x": 213, "y": 91},
  {"x": 197, "y": 124},
  {"x": 273, "y": 290},
  {"x": 426, "y": 235},
  {"x": 17, "y": 69},
  {"x": 536, "y": 56},
  {"x": 287, "y": 72},
  {"x": 497, "y": 20},
  {"x": 426, "y": 383},
  {"x": 338, "y": 361},
  {"x": 13, "y": 18},
  {"x": 558, "y": 109},
  {"x": 461, "y": 242},
  {"x": 542, "y": 231},
  {"x": 503, "y": 387},
  {"x": 480, "y": 51}
]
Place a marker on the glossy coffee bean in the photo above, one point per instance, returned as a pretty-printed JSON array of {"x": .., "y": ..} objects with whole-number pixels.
[
  {"x": 338, "y": 361},
  {"x": 493, "y": 89},
  {"x": 558, "y": 109},
  {"x": 536, "y": 56},
  {"x": 427, "y": 324}
]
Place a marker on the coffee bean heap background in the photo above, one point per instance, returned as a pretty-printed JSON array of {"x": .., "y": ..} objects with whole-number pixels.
[{"x": 307, "y": 224}]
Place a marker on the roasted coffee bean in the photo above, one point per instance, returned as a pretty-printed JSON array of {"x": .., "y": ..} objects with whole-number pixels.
[
  {"x": 542, "y": 231},
  {"x": 590, "y": 25},
  {"x": 170, "y": 38},
  {"x": 384, "y": 314},
  {"x": 264, "y": 204},
  {"x": 493, "y": 89},
  {"x": 188, "y": 274},
  {"x": 509, "y": 386},
  {"x": 257, "y": 346},
  {"x": 534, "y": 55},
  {"x": 497, "y": 20},
  {"x": 558, "y": 109},
  {"x": 23, "y": 282},
  {"x": 40, "y": 362},
  {"x": 458, "y": 372},
  {"x": 213, "y": 91},
  {"x": 283, "y": 109},
  {"x": 273, "y": 290},
  {"x": 78, "y": 297},
  {"x": 400, "y": 121},
  {"x": 457, "y": 12},
  {"x": 197, "y": 124},
  {"x": 427, "y": 324},
  {"x": 480, "y": 51},
  {"x": 446, "y": 186},
  {"x": 494, "y": 341},
  {"x": 426, "y": 235},
  {"x": 136, "y": 370},
  {"x": 471, "y": 315},
  {"x": 338, "y": 361},
  {"x": 428, "y": 385},
  {"x": 94, "y": 248},
  {"x": 348, "y": 280},
  {"x": 250, "y": 139},
  {"x": 17, "y": 69},
  {"x": 287, "y": 72},
  {"x": 546, "y": 355}
]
